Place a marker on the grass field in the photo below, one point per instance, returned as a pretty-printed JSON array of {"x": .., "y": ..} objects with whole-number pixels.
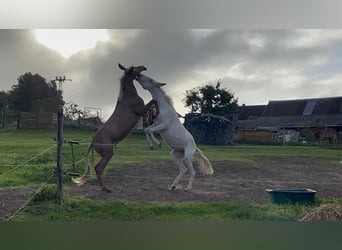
[{"x": 28, "y": 158}]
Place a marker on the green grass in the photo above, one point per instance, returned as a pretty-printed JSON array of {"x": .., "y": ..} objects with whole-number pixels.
[
  {"x": 81, "y": 209},
  {"x": 43, "y": 207},
  {"x": 22, "y": 165},
  {"x": 239, "y": 152}
]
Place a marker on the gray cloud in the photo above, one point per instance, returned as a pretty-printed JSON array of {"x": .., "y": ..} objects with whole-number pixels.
[
  {"x": 257, "y": 65},
  {"x": 21, "y": 53},
  {"x": 170, "y": 14}
]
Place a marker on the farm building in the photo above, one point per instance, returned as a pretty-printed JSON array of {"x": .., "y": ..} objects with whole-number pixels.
[
  {"x": 38, "y": 119},
  {"x": 314, "y": 120}
]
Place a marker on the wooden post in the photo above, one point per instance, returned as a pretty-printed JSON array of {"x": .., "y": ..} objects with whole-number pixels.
[{"x": 59, "y": 168}]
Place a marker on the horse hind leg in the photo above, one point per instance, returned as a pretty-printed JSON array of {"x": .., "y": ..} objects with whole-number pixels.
[
  {"x": 177, "y": 158},
  {"x": 99, "y": 168},
  {"x": 188, "y": 164},
  {"x": 188, "y": 156}
]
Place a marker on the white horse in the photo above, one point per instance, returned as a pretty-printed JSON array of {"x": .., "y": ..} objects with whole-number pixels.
[{"x": 173, "y": 132}]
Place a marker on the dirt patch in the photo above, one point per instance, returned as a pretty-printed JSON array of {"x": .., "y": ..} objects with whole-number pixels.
[
  {"x": 231, "y": 182},
  {"x": 11, "y": 199}
]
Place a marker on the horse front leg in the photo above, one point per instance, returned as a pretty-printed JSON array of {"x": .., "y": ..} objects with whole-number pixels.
[
  {"x": 141, "y": 110},
  {"x": 155, "y": 141},
  {"x": 148, "y": 137},
  {"x": 150, "y": 104}
]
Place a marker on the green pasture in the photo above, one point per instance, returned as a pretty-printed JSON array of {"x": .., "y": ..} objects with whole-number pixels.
[{"x": 28, "y": 158}]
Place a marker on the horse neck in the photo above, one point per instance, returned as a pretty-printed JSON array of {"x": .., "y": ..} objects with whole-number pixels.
[
  {"x": 127, "y": 87},
  {"x": 161, "y": 97}
]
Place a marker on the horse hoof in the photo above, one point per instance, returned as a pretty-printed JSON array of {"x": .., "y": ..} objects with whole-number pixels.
[
  {"x": 152, "y": 147},
  {"x": 106, "y": 190},
  {"x": 159, "y": 145}
]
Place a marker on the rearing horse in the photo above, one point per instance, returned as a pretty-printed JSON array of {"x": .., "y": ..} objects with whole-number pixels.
[
  {"x": 173, "y": 132},
  {"x": 129, "y": 108}
]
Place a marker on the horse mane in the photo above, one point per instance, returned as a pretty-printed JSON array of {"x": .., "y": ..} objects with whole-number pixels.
[{"x": 168, "y": 98}]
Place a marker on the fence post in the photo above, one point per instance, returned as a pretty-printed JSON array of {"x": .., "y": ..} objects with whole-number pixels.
[{"x": 59, "y": 168}]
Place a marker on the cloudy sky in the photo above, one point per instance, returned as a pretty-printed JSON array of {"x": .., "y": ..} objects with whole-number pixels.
[{"x": 257, "y": 65}]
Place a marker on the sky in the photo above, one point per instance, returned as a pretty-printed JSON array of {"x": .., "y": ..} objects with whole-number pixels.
[
  {"x": 257, "y": 65},
  {"x": 260, "y": 50}
]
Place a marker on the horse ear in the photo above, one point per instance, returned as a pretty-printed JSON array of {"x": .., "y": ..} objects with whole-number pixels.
[
  {"x": 122, "y": 67},
  {"x": 130, "y": 71},
  {"x": 160, "y": 84}
]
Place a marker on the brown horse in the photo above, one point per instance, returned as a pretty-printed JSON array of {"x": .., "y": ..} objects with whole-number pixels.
[{"x": 129, "y": 108}]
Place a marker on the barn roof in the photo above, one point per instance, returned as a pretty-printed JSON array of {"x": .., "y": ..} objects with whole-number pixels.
[
  {"x": 250, "y": 112},
  {"x": 316, "y": 106},
  {"x": 292, "y": 121},
  {"x": 323, "y": 112}
]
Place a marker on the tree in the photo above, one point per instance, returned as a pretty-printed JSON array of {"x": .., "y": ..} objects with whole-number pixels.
[
  {"x": 211, "y": 100},
  {"x": 33, "y": 94},
  {"x": 3, "y": 107},
  {"x": 72, "y": 112},
  {"x": 3, "y": 100}
]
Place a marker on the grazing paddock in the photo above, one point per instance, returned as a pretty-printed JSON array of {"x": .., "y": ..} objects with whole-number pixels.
[{"x": 139, "y": 178}]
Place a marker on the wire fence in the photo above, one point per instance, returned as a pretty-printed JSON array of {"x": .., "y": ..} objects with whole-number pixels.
[
  {"x": 31, "y": 198},
  {"x": 26, "y": 163},
  {"x": 16, "y": 166},
  {"x": 29, "y": 163}
]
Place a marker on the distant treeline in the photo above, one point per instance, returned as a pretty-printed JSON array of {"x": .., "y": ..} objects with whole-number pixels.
[{"x": 32, "y": 93}]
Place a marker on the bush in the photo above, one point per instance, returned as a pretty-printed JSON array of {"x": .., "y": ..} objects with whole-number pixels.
[
  {"x": 210, "y": 129},
  {"x": 47, "y": 193}
]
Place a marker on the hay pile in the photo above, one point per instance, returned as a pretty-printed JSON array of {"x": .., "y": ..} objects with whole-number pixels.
[{"x": 325, "y": 213}]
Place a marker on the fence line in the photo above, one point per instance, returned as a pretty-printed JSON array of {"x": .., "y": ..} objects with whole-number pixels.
[
  {"x": 25, "y": 143},
  {"x": 79, "y": 160},
  {"x": 27, "y": 161},
  {"x": 79, "y": 143},
  {"x": 29, "y": 165},
  {"x": 24, "y": 164}
]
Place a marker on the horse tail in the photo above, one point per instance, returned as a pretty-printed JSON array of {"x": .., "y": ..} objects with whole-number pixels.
[
  {"x": 81, "y": 180},
  {"x": 204, "y": 164}
]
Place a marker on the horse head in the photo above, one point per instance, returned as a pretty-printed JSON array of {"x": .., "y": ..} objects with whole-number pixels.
[
  {"x": 133, "y": 71},
  {"x": 148, "y": 83}
]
